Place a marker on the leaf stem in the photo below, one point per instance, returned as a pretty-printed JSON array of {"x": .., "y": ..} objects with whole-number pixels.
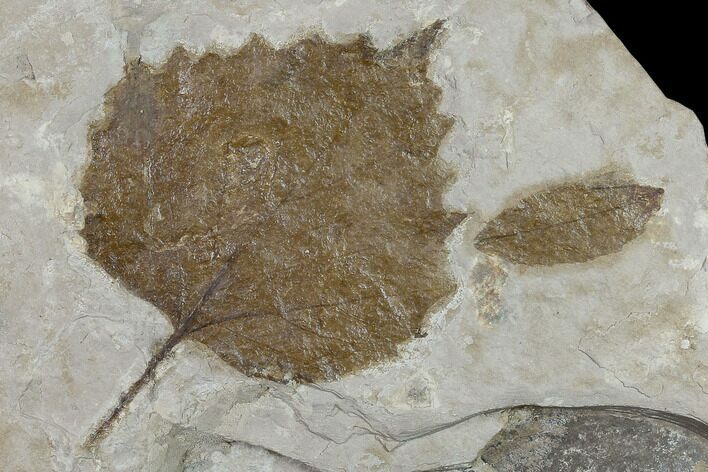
[
  {"x": 100, "y": 432},
  {"x": 185, "y": 327}
]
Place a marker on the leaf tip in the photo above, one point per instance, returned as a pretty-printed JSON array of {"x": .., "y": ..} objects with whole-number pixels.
[{"x": 417, "y": 47}]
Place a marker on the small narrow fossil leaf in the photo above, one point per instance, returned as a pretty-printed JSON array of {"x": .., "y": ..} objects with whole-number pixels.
[
  {"x": 281, "y": 206},
  {"x": 570, "y": 223}
]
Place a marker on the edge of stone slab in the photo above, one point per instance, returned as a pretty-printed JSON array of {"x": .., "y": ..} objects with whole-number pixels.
[{"x": 692, "y": 116}]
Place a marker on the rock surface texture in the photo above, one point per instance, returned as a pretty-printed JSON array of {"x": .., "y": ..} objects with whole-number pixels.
[{"x": 345, "y": 236}]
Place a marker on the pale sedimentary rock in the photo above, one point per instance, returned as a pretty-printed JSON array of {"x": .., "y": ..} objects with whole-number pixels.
[{"x": 528, "y": 97}]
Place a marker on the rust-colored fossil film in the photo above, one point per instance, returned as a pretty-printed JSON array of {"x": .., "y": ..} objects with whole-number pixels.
[{"x": 281, "y": 206}]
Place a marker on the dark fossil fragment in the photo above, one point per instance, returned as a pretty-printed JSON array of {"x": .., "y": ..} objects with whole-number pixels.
[{"x": 602, "y": 438}]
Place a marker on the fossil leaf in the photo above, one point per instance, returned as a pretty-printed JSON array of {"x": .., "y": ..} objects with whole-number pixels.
[
  {"x": 595, "y": 438},
  {"x": 281, "y": 206},
  {"x": 570, "y": 223}
]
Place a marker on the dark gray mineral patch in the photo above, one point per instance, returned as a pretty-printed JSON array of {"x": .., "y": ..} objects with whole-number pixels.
[{"x": 593, "y": 439}]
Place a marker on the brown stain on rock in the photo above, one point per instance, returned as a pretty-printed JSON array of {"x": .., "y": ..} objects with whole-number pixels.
[
  {"x": 281, "y": 206},
  {"x": 570, "y": 223},
  {"x": 487, "y": 279}
]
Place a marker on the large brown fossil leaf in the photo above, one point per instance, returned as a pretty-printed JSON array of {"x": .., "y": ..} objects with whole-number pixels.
[
  {"x": 570, "y": 223},
  {"x": 281, "y": 206}
]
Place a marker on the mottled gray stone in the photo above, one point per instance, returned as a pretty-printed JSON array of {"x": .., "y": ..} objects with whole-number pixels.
[{"x": 593, "y": 439}]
